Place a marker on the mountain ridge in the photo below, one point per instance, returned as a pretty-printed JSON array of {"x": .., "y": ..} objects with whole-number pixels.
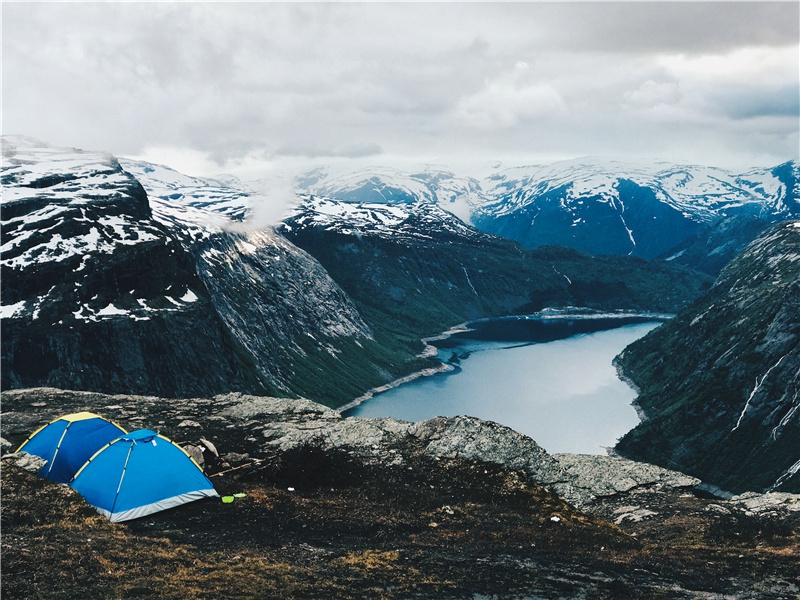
[{"x": 593, "y": 205}]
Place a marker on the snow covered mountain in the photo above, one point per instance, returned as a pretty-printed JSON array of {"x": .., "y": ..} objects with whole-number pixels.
[
  {"x": 601, "y": 207},
  {"x": 412, "y": 220},
  {"x": 105, "y": 289},
  {"x": 614, "y": 208},
  {"x": 169, "y": 189},
  {"x": 385, "y": 185}
]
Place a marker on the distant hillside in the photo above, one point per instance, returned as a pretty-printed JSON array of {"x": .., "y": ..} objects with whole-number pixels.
[
  {"x": 596, "y": 206},
  {"x": 720, "y": 384},
  {"x": 415, "y": 269}
]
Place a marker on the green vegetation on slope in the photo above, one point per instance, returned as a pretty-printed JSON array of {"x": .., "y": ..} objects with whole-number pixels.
[
  {"x": 409, "y": 288},
  {"x": 719, "y": 383}
]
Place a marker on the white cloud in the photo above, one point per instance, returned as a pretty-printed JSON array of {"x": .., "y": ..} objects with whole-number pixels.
[
  {"x": 652, "y": 93},
  {"x": 502, "y": 104},
  {"x": 232, "y": 86}
]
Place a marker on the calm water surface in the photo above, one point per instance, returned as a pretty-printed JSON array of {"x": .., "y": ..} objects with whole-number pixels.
[{"x": 564, "y": 393}]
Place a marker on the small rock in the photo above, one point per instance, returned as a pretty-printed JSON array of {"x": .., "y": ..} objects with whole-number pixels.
[
  {"x": 718, "y": 509},
  {"x": 195, "y": 452},
  {"x": 188, "y": 423},
  {"x": 38, "y": 404},
  {"x": 235, "y": 458},
  {"x": 26, "y": 461},
  {"x": 635, "y": 516},
  {"x": 625, "y": 509}
]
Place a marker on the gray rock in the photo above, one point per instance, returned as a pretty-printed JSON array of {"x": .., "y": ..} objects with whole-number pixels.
[
  {"x": 26, "y": 461},
  {"x": 772, "y": 501},
  {"x": 195, "y": 452},
  {"x": 474, "y": 439},
  {"x": 589, "y": 477},
  {"x": 632, "y": 513},
  {"x": 241, "y": 407}
]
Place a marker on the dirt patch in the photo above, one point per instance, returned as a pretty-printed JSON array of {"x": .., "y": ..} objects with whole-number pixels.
[{"x": 447, "y": 528}]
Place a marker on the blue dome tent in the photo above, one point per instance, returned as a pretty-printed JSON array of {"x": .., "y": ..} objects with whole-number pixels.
[
  {"x": 139, "y": 474},
  {"x": 68, "y": 442}
]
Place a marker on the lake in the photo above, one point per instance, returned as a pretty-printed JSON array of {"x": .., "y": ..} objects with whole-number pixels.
[{"x": 551, "y": 379}]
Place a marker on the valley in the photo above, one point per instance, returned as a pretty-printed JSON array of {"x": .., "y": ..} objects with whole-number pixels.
[
  {"x": 564, "y": 392},
  {"x": 154, "y": 298}
]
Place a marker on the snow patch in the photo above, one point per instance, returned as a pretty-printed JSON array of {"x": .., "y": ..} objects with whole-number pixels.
[{"x": 12, "y": 310}]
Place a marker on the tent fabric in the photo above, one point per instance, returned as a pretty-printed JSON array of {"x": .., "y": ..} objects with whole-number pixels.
[
  {"x": 68, "y": 442},
  {"x": 138, "y": 474}
]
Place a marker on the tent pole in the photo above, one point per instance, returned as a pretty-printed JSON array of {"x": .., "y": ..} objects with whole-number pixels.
[
  {"x": 58, "y": 447},
  {"x": 122, "y": 476}
]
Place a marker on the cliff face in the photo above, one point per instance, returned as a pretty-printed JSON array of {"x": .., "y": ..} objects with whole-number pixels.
[
  {"x": 108, "y": 290},
  {"x": 96, "y": 293},
  {"x": 720, "y": 382}
]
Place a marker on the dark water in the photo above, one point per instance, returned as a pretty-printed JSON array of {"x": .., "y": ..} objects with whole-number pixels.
[{"x": 552, "y": 381}]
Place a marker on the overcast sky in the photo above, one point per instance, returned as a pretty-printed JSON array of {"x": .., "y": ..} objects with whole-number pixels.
[{"x": 246, "y": 88}]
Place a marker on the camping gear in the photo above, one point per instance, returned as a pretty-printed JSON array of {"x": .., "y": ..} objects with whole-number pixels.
[
  {"x": 231, "y": 498},
  {"x": 138, "y": 474},
  {"x": 68, "y": 442}
]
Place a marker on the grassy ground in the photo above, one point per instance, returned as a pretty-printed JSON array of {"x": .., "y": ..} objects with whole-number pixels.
[{"x": 426, "y": 529}]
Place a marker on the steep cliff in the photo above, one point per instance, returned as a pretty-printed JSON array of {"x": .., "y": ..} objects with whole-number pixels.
[
  {"x": 106, "y": 289},
  {"x": 720, "y": 383}
]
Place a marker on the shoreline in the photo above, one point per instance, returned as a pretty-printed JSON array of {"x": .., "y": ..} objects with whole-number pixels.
[
  {"x": 548, "y": 314},
  {"x": 368, "y": 395},
  {"x": 623, "y": 376}
]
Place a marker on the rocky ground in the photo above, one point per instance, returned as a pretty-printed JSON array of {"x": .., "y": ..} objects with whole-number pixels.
[{"x": 371, "y": 508}]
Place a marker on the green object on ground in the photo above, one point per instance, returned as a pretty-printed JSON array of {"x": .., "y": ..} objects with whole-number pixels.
[
  {"x": 227, "y": 499},
  {"x": 240, "y": 495}
]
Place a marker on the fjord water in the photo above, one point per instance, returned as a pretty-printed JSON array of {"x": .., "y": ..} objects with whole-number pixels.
[{"x": 563, "y": 393}]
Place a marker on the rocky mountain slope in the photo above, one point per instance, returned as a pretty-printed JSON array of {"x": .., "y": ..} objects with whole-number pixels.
[
  {"x": 596, "y": 206},
  {"x": 614, "y": 208},
  {"x": 104, "y": 288},
  {"x": 415, "y": 270},
  {"x": 333, "y": 507},
  {"x": 720, "y": 383}
]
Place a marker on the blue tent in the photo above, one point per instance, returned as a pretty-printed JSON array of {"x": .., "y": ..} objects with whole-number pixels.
[
  {"x": 139, "y": 474},
  {"x": 68, "y": 442}
]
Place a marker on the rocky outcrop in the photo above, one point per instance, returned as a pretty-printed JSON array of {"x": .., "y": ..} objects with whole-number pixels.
[
  {"x": 720, "y": 383},
  {"x": 486, "y": 441},
  {"x": 589, "y": 477},
  {"x": 255, "y": 426}
]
